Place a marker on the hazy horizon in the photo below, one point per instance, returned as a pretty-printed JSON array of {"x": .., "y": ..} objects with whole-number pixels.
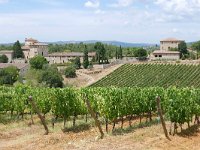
[{"x": 131, "y": 21}]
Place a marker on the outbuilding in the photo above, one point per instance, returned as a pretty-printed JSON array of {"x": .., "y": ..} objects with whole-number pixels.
[{"x": 165, "y": 55}]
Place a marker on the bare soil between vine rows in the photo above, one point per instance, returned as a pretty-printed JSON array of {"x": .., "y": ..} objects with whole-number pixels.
[{"x": 19, "y": 135}]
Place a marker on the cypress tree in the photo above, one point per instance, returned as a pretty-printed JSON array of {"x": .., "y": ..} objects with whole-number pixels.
[
  {"x": 120, "y": 52},
  {"x": 17, "y": 50},
  {"x": 85, "y": 58}
]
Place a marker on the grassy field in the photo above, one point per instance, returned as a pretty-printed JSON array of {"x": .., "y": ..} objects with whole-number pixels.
[{"x": 149, "y": 75}]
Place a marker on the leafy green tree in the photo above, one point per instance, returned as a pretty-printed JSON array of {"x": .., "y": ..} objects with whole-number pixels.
[
  {"x": 51, "y": 77},
  {"x": 9, "y": 75},
  {"x": 196, "y": 46},
  {"x": 70, "y": 72},
  {"x": 85, "y": 58},
  {"x": 100, "y": 52},
  {"x": 77, "y": 63},
  {"x": 38, "y": 62},
  {"x": 182, "y": 48},
  {"x": 3, "y": 59},
  {"x": 141, "y": 53},
  {"x": 17, "y": 50}
]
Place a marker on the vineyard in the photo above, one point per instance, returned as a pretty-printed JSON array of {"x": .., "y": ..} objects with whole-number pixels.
[
  {"x": 152, "y": 75},
  {"x": 180, "y": 105}
]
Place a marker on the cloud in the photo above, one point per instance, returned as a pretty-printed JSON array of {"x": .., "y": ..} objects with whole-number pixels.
[
  {"x": 99, "y": 11},
  {"x": 180, "y": 7},
  {"x": 4, "y": 1},
  {"x": 122, "y": 3},
  {"x": 92, "y": 4}
]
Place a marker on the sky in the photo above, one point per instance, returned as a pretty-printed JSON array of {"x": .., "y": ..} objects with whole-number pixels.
[{"x": 135, "y": 21}]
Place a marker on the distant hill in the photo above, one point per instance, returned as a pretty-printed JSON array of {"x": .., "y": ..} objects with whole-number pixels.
[{"x": 116, "y": 43}]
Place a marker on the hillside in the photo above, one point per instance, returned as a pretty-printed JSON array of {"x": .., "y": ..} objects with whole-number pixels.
[{"x": 148, "y": 75}]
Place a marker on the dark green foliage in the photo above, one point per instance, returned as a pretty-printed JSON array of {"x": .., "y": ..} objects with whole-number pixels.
[
  {"x": 3, "y": 59},
  {"x": 182, "y": 48},
  {"x": 196, "y": 46},
  {"x": 38, "y": 62},
  {"x": 85, "y": 58},
  {"x": 77, "y": 62},
  {"x": 120, "y": 54},
  {"x": 8, "y": 75},
  {"x": 141, "y": 53},
  {"x": 70, "y": 72},
  {"x": 100, "y": 53},
  {"x": 17, "y": 50},
  {"x": 52, "y": 77}
]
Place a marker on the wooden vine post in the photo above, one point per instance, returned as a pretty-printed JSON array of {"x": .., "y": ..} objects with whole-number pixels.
[
  {"x": 160, "y": 113},
  {"x": 97, "y": 122},
  {"x": 39, "y": 114}
]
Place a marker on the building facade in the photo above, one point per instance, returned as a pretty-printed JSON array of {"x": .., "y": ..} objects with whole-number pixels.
[
  {"x": 33, "y": 48},
  {"x": 166, "y": 47},
  {"x": 169, "y": 43},
  {"x": 60, "y": 58},
  {"x": 166, "y": 55}
]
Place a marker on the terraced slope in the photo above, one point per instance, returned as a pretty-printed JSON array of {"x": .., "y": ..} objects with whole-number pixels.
[{"x": 148, "y": 75}]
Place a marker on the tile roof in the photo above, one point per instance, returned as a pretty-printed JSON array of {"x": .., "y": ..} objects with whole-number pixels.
[
  {"x": 165, "y": 52},
  {"x": 71, "y": 54},
  {"x": 6, "y": 52},
  {"x": 171, "y": 40},
  {"x": 18, "y": 65}
]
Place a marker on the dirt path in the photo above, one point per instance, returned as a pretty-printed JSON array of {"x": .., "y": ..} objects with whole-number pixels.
[{"x": 84, "y": 79}]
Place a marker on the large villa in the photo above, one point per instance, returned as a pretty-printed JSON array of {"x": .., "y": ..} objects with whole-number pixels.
[
  {"x": 165, "y": 52},
  {"x": 33, "y": 48}
]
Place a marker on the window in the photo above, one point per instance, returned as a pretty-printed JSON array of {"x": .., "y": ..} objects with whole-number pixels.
[
  {"x": 156, "y": 55},
  {"x": 160, "y": 55},
  {"x": 42, "y": 53}
]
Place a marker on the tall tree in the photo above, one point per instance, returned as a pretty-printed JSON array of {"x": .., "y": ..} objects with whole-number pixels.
[
  {"x": 100, "y": 52},
  {"x": 120, "y": 53},
  {"x": 182, "y": 48},
  {"x": 85, "y": 58},
  {"x": 17, "y": 50},
  {"x": 77, "y": 62}
]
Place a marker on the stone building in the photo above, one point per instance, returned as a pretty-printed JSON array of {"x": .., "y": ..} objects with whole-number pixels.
[
  {"x": 169, "y": 43},
  {"x": 165, "y": 52},
  {"x": 9, "y": 54},
  {"x": 33, "y": 48},
  {"x": 60, "y": 58}
]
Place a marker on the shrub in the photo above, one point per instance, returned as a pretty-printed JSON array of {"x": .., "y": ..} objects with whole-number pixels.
[{"x": 70, "y": 72}]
